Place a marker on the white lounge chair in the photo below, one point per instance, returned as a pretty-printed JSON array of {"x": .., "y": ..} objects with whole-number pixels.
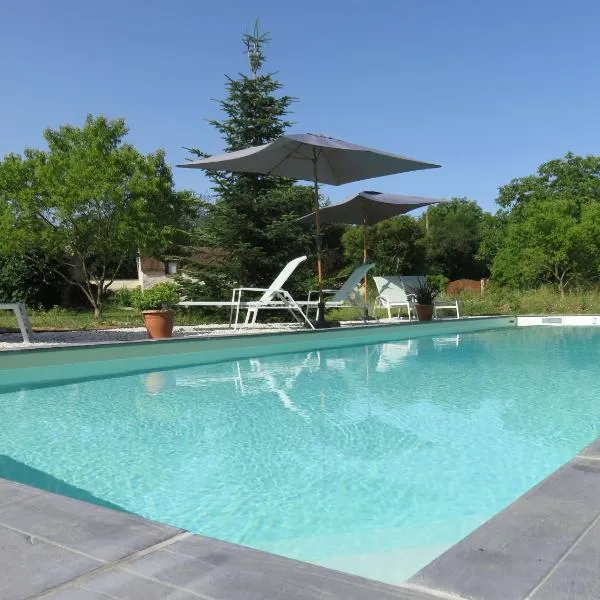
[
  {"x": 392, "y": 294},
  {"x": 273, "y": 298},
  {"x": 412, "y": 281},
  {"x": 253, "y": 376},
  {"x": 343, "y": 296}
]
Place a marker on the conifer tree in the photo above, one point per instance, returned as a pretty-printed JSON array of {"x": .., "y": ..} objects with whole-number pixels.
[{"x": 254, "y": 215}]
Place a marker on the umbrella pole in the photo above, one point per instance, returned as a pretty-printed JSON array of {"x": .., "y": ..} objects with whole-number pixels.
[{"x": 321, "y": 302}]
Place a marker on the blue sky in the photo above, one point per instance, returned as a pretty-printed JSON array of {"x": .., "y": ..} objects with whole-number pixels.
[{"x": 489, "y": 90}]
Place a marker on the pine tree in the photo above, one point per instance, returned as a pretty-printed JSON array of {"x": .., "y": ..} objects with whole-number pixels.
[{"x": 254, "y": 215}]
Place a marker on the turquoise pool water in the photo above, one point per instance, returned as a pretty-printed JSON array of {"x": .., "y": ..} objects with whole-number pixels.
[{"x": 370, "y": 459}]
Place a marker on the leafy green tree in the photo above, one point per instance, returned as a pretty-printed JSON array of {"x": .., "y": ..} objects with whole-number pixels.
[
  {"x": 453, "y": 237},
  {"x": 493, "y": 236},
  {"x": 551, "y": 225},
  {"x": 254, "y": 215},
  {"x": 574, "y": 177},
  {"x": 90, "y": 199},
  {"x": 352, "y": 243},
  {"x": 547, "y": 243},
  {"x": 395, "y": 245},
  {"x": 29, "y": 278},
  {"x": 398, "y": 246}
]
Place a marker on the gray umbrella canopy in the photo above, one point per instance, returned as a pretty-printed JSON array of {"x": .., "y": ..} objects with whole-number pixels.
[
  {"x": 368, "y": 208},
  {"x": 316, "y": 158},
  {"x": 295, "y": 155}
]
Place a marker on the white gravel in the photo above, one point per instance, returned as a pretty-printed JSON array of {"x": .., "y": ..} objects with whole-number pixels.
[
  {"x": 47, "y": 339},
  {"x": 14, "y": 341}
]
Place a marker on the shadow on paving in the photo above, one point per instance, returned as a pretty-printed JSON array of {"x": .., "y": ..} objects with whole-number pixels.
[{"x": 22, "y": 473}]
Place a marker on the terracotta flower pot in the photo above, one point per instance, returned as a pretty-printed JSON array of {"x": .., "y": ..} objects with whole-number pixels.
[
  {"x": 424, "y": 311},
  {"x": 159, "y": 323}
]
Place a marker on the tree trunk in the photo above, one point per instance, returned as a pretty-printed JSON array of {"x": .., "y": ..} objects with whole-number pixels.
[
  {"x": 561, "y": 279},
  {"x": 99, "y": 299},
  {"x": 98, "y": 307}
]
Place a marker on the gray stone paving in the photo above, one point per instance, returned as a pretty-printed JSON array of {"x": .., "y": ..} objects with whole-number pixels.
[
  {"x": 60, "y": 548},
  {"x": 545, "y": 546}
]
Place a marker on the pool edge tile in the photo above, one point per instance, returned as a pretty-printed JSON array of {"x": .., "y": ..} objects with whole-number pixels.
[
  {"x": 31, "y": 566},
  {"x": 217, "y": 569}
]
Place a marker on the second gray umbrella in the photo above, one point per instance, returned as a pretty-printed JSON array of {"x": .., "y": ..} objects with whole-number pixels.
[{"x": 367, "y": 208}]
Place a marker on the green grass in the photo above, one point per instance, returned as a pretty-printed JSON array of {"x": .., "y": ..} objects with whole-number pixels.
[
  {"x": 544, "y": 300},
  {"x": 73, "y": 319}
]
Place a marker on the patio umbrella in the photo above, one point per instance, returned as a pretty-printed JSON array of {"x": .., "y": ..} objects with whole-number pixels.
[
  {"x": 367, "y": 208},
  {"x": 316, "y": 158}
]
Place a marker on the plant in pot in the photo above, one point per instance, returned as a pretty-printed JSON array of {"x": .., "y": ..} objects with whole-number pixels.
[
  {"x": 155, "y": 304},
  {"x": 424, "y": 294}
]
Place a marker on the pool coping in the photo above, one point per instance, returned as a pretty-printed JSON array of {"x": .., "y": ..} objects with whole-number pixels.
[
  {"x": 562, "y": 320},
  {"x": 541, "y": 547}
]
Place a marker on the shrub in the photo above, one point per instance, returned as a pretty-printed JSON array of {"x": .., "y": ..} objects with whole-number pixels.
[
  {"x": 438, "y": 281},
  {"x": 123, "y": 297},
  {"x": 208, "y": 283},
  {"x": 161, "y": 296}
]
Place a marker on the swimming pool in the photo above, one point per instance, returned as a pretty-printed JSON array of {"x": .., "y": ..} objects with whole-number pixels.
[{"x": 372, "y": 459}]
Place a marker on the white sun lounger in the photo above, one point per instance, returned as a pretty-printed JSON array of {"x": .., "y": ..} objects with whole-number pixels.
[
  {"x": 343, "y": 296},
  {"x": 254, "y": 376},
  {"x": 273, "y": 298},
  {"x": 22, "y": 319}
]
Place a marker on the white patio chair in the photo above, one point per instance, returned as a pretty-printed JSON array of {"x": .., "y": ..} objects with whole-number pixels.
[
  {"x": 391, "y": 294},
  {"x": 345, "y": 296},
  {"x": 273, "y": 298},
  {"x": 411, "y": 281},
  {"x": 447, "y": 341},
  {"x": 392, "y": 354}
]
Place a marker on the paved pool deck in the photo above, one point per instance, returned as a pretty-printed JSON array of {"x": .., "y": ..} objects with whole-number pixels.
[{"x": 545, "y": 546}]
